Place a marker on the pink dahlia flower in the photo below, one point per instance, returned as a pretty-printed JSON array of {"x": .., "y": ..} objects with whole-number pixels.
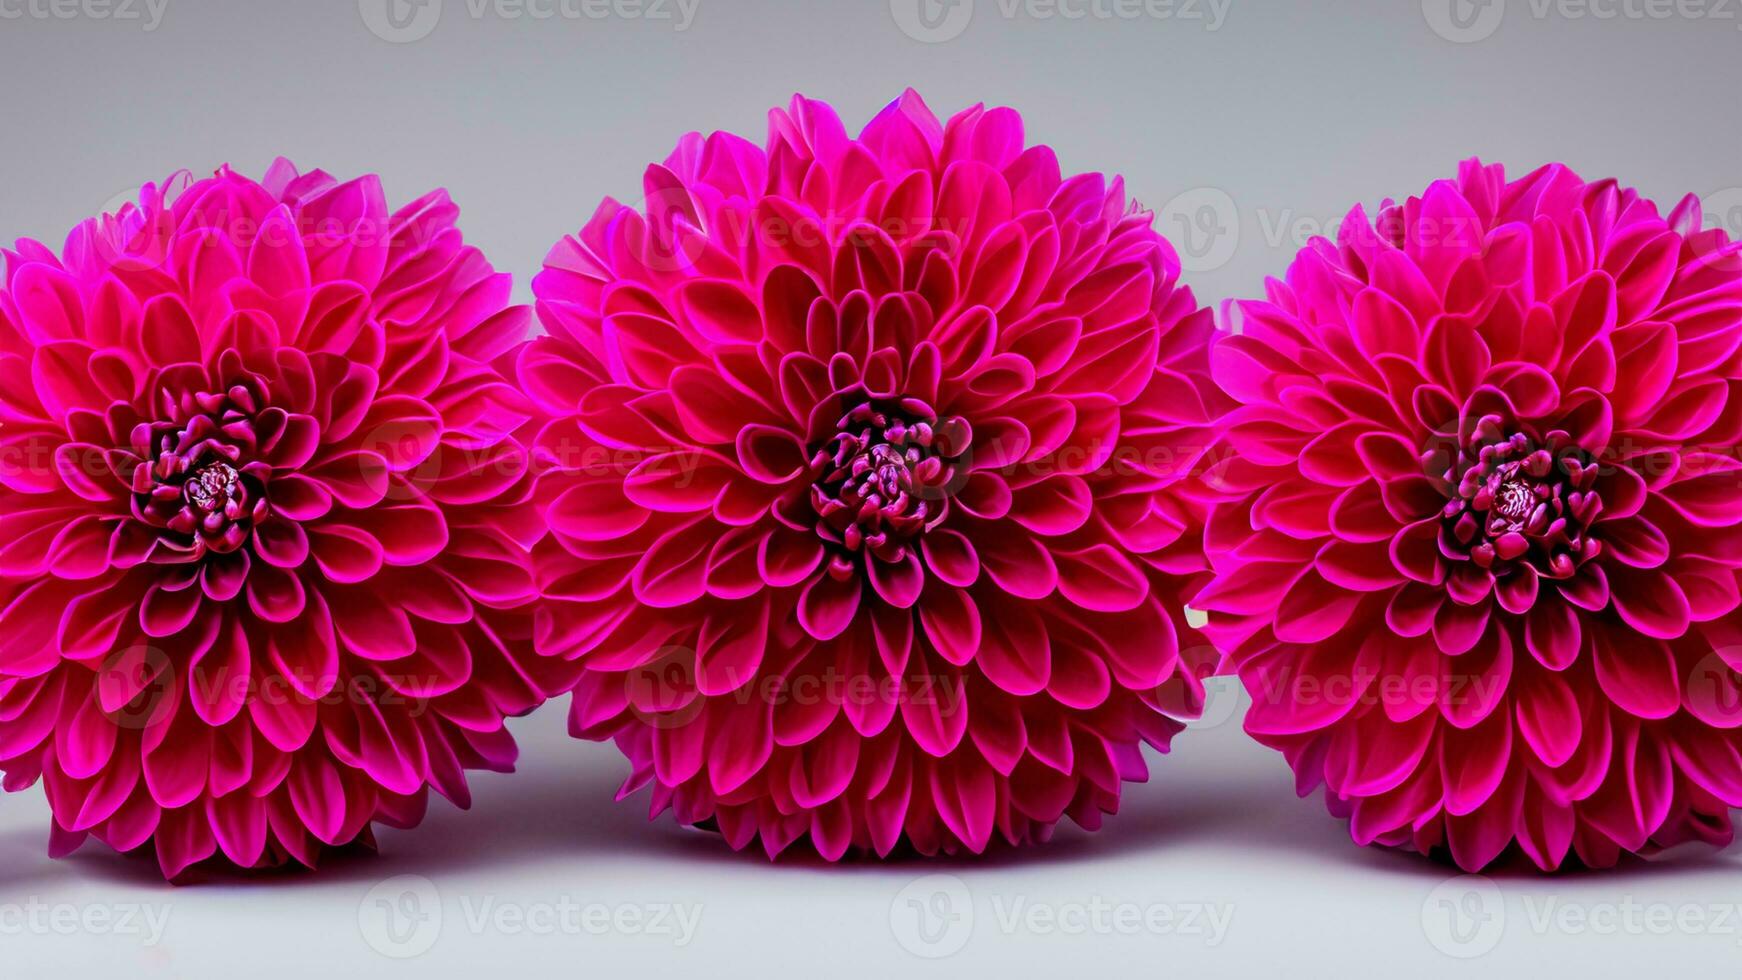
[
  {"x": 1480, "y": 571},
  {"x": 868, "y": 494},
  {"x": 265, "y": 518}
]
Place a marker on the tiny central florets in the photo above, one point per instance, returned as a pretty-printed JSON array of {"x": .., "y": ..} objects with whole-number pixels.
[
  {"x": 217, "y": 487},
  {"x": 885, "y": 478},
  {"x": 195, "y": 481},
  {"x": 1518, "y": 502},
  {"x": 1514, "y": 503}
]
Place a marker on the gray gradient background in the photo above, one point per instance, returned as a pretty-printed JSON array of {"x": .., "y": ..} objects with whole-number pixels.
[{"x": 1252, "y": 134}]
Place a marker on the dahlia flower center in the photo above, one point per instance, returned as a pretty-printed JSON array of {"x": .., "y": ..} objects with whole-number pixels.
[
  {"x": 215, "y": 487},
  {"x": 1519, "y": 502},
  {"x": 1516, "y": 501},
  {"x": 200, "y": 485},
  {"x": 885, "y": 478}
]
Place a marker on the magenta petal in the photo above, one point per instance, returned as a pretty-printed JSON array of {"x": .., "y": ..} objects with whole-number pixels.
[
  {"x": 769, "y": 455},
  {"x": 1313, "y": 610},
  {"x": 1640, "y": 677},
  {"x": 1553, "y": 635},
  {"x": 222, "y": 579},
  {"x": 951, "y": 621},
  {"x": 305, "y": 651},
  {"x": 952, "y": 558},
  {"x": 373, "y": 630},
  {"x": 281, "y": 543},
  {"x": 1549, "y": 719},
  {"x": 898, "y": 584},
  {"x": 276, "y": 597},
  {"x": 239, "y": 826},
  {"x": 936, "y": 715},
  {"x": 741, "y": 747},
  {"x": 344, "y": 554},
  {"x": 87, "y": 741},
  {"x": 593, "y": 514},
  {"x": 166, "y": 613},
  {"x": 92, "y": 622},
  {"x": 1651, "y": 602},
  {"x": 729, "y": 652},
  {"x": 827, "y": 606},
  {"x": 1101, "y": 579}
]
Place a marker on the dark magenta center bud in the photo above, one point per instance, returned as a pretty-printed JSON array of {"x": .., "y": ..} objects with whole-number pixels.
[
  {"x": 197, "y": 480},
  {"x": 1518, "y": 502},
  {"x": 885, "y": 478},
  {"x": 214, "y": 488},
  {"x": 1515, "y": 502}
]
